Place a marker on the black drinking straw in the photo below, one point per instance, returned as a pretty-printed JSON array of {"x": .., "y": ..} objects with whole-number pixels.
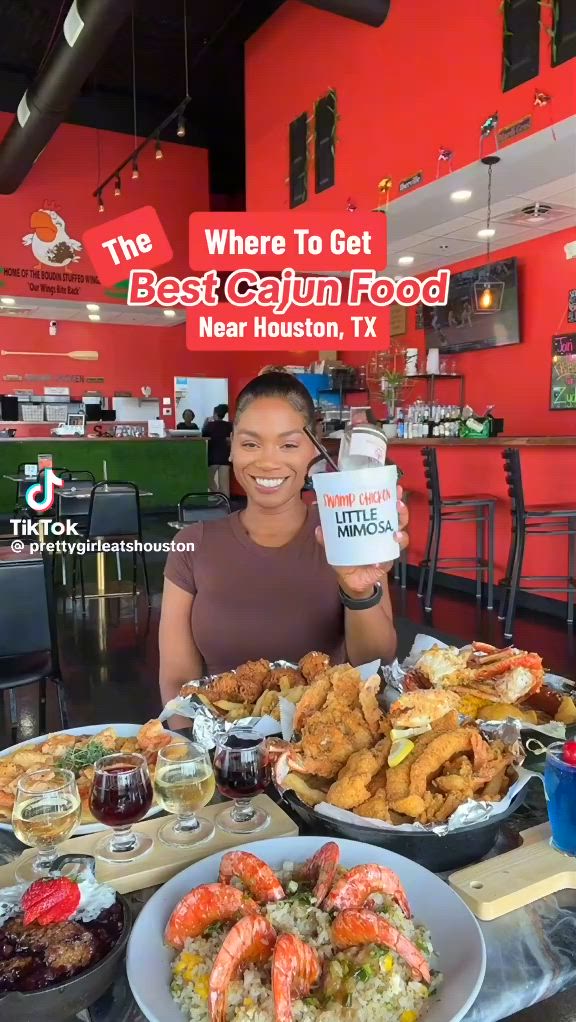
[{"x": 320, "y": 447}]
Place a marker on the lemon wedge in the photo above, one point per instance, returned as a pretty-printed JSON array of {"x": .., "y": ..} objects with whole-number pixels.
[
  {"x": 400, "y": 749},
  {"x": 409, "y": 732}
]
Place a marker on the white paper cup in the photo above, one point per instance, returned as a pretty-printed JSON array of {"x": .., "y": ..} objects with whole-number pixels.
[{"x": 359, "y": 515}]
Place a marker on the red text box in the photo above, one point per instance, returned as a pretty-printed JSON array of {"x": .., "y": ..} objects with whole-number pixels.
[
  {"x": 227, "y": 327},
  {"x": 134, "y": 241},
  {"x": 321, "y": 242}
]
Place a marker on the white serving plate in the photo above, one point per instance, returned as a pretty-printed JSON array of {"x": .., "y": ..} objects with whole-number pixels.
[
  {"x": 123, "y": 731},
  {"x": 456, "y": 936}
]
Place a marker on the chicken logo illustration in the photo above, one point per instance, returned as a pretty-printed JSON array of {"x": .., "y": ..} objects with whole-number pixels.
[{"x": 50, "y": 243}]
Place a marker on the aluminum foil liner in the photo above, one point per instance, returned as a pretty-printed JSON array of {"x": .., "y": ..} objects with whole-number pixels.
[
  {"x": 470, "y": 812},
  {"x": 192, "y": 707},
  {"x": 394, "y": 676}
]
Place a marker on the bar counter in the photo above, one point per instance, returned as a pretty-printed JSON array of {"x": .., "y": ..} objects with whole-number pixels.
[
  {"x": 468, "y": 467},
  {"x": 169, "y": 467}
]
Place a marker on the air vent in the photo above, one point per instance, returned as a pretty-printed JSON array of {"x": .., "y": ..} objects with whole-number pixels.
[
  {"x": 537, "y": 214},
  {"x": 537, "y": 210}
]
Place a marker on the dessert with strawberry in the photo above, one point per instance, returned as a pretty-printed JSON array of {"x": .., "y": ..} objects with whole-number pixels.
[{"x": 54, "y": 929}]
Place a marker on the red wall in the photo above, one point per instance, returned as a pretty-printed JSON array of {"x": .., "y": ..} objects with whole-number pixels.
[
  {"x": 516, "y": 378},
  {"x": 428, "y": 78}
]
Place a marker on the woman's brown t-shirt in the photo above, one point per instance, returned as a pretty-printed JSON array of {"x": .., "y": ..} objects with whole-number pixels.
[{"x": 252, "y": 601}]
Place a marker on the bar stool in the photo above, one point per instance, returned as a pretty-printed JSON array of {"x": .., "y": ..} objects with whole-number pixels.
[
  {"x": 478, "y": 508},
  {"x": 534, "y": 520},
  {"x": 401, "y": 564}
]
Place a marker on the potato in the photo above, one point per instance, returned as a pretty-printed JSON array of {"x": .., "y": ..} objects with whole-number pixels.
[
  {"x": 311, "y": 796},
  {"x": 239, "y": 711},
  {"x": 225, "y": 704},
  {"x": 294, "y": 695},
  {"x": 266, "y": 703},
  {"x": 566, "y": 712}
]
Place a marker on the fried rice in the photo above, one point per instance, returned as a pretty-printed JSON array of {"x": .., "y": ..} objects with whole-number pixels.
[{"x": 359, "y": 984}]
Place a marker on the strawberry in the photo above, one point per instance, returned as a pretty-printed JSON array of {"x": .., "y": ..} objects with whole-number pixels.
[{"x": 50, "y": 901}]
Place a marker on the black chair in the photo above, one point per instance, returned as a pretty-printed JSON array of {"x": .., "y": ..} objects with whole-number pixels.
[
  {"x": 534, "y": 520},
  {"x": 401, "y": 565},
  {"x": 476, "y": 508},
  {"x": 28, "y": 638},
  {"x": 70, "y": 509},
  {"x": 114, "y": 515},
  {"x": 201, "y": 507}
]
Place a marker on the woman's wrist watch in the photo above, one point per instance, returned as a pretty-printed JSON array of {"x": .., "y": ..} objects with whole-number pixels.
[{"x": 362, "y": 604}]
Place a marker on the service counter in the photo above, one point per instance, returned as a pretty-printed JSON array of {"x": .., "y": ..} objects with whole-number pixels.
[
  {"x": 169, "y": 467},
  {"x": 476, "y": 466}
]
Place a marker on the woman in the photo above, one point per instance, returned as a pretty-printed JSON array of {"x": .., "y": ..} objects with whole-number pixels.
[
  {"x": 188, "y": 417},
  {"x": 257, "y": 583},
  {"x": 217, "y": 431}
]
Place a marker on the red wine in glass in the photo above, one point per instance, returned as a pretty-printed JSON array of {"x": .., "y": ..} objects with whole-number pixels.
[
  {"x": 120, "y": 796},
  {"x": 242, "y": 770},
  {"x": 120, "y": 799}
]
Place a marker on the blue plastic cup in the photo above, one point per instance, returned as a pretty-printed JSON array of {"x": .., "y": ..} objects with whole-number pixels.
[{"x": 560, "y": 785}]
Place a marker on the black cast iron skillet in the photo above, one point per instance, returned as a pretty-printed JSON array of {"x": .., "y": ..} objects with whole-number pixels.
[
  {"x": 64, "y": 1000},
  {"x": 61, "y": 1002},
  {"x": 456, "y": 849}
]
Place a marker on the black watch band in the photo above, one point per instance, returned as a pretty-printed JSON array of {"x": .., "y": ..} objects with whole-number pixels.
[{"x": 371, "y": 601}]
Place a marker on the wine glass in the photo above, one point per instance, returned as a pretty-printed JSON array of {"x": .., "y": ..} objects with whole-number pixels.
[
  {"x": 120, "y": 796},
  {"x": 46, "y": 811},
  {"x": 184, "y": 782},
  {"x": 242, "y": 770}
]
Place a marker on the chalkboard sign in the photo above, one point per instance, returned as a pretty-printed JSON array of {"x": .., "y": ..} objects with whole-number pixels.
[{"x": 563, "y": 394}]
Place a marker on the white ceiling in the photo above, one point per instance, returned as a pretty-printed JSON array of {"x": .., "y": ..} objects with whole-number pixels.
[
  {"x": 119, "y": 315},
  {"x": 428, "y": 225}
]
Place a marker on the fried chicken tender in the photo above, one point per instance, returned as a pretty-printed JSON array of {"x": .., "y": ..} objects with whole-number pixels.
[
  {"x": 346, "y": 683},
  {"x": 224, "y": 686},
  {"x": 281, "y": 678},
  {"x": 411, "y": 805},
  {"x": 314, "y": 664},
  {"x": 330, "y": 738},
  {"x": 376, "y": 808},
  {"x": 398, "y": 777},
  {"x": 251, "y": 678},
  {"x": 442, "y": 747},
  {"x": 352, "y": 786},
  {"x": 312, "y": 700}
]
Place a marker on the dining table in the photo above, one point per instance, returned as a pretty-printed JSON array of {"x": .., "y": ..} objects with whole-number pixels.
[{"x": 531, "y": 952}]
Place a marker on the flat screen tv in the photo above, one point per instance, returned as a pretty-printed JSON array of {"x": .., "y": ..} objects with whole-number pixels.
[{"x": 481, "y": 311}]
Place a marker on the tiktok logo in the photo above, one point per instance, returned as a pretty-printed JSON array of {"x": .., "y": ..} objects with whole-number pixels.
[{"x": 40, "y": 496}]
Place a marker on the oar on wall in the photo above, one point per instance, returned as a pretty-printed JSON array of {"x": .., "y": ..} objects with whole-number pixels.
[{"x": 80, "y": 356}]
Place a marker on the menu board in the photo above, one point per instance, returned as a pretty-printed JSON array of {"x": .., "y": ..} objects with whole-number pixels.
[{"x": 563, "y": 392}]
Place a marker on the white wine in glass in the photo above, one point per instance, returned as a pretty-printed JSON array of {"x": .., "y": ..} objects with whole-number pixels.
[
  {"x": 183, "y": 783},
  {"x": 46, "y": 811}
]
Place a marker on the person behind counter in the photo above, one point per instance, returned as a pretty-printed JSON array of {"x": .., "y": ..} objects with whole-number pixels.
[
  {"x": 257, "y": 583},
  {"x": 188, "y": 417},
  {"x": 217, "y": 431}
]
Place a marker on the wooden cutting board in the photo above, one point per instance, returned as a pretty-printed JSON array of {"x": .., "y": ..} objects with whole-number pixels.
[
  {"x": 162, "y": 863},
  {"x": 494, "y": 887}
]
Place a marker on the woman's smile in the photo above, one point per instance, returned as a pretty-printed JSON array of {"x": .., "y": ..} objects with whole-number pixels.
[{"x": 265, "y": 483}]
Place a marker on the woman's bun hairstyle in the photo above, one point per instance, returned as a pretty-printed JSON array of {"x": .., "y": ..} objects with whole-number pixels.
[{"x": 281, "y": 384}]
